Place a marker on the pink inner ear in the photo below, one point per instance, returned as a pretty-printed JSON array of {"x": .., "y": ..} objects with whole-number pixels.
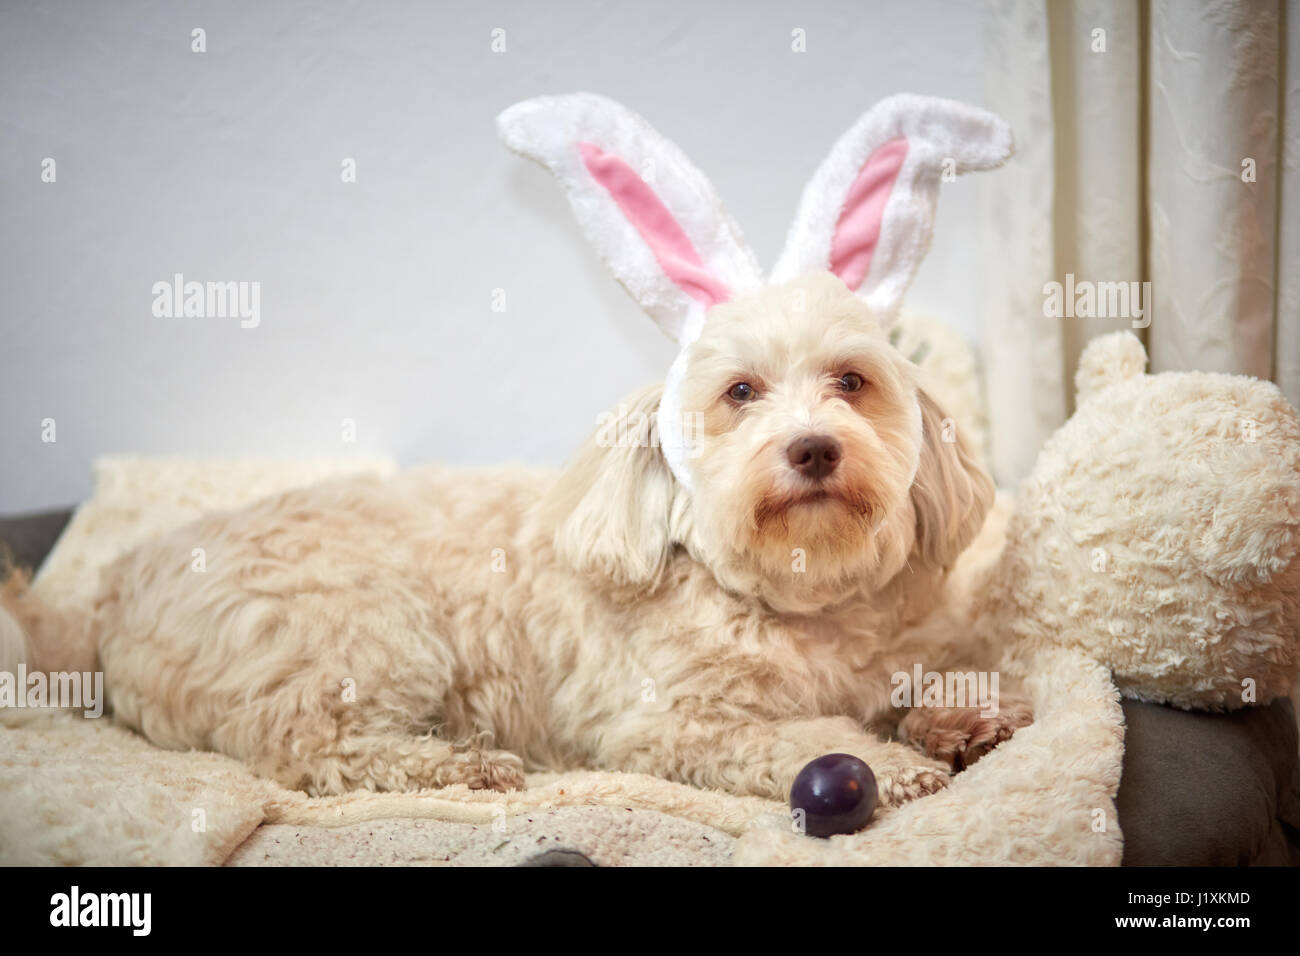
[
  {"x": 671, "y": 246},
  {"x": 858, "y": 229}
]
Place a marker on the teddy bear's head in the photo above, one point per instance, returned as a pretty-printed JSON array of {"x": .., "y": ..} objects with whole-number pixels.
[{"x": 1160, "y": 532}]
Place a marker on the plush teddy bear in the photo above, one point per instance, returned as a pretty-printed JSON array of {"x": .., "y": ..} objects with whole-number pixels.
[{"x": 1160, "y": 533}]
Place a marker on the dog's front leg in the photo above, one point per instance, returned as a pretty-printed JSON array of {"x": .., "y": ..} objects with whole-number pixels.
[{"x": 763, "y": 757}]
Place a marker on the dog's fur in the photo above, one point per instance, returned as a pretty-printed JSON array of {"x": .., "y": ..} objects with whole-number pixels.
[{"x": 376, "y": 634}]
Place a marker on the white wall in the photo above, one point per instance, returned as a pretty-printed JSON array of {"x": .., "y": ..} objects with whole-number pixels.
[{"x": 376, "y": 297}]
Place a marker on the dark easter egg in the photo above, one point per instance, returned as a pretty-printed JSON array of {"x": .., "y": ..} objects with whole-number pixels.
[{"x": 833, "y": 794}]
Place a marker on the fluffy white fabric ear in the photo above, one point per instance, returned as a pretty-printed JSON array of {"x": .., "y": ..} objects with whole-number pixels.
[
  {"x": 1108, "y": 360},
  {"x": 867, "y": 214},
  {"x": 652, "y": 216}
]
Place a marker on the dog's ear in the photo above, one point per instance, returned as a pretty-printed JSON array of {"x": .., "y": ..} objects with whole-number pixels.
[
  {"x": 612, "y": 506},
  {"x": 951, "y": 493}
]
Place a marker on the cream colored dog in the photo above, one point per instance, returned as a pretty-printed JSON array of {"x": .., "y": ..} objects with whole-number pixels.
[
  {"x": 364, "y": 633},
  {"x": 718, "y": 610}
]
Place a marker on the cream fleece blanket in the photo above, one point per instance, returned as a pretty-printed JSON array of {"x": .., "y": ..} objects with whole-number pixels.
[{"x": 82, "y": 791}]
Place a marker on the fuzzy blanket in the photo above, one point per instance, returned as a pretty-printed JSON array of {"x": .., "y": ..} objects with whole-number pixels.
[{"x": 83, "y": 791}]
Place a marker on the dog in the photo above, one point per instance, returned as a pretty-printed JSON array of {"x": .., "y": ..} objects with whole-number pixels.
[{"x": 463, "y": 626}]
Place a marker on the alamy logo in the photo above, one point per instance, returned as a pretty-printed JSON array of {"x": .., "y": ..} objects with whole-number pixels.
[
  {"x": 56, "y": 689},
  {"x": 626, "y": 427},
  {"x": 102, "y": 909},
  {"x": 179, "y": 299},
  {"x": 1098, "y": 300},
  {"x": 950, "y": 689}
]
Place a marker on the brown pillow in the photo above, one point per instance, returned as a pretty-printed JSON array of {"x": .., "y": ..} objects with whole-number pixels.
[
  {"x": 1203, "y": 789},
  {"x": 25, "y": 541}
]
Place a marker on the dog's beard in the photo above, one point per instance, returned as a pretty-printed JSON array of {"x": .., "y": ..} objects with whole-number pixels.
[
  {"x": 837, "y": 503},
  {"x": 836, "y": 525},
  {"x": 802, "y": 545},
  {"x": 844, "y": 508}
]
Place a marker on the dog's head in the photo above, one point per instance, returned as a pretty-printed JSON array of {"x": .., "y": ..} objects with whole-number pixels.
[
  {"x": 819, "y": 467},
  {"x": 790, "y": 448},
  {"x": 816, "y": 450}
]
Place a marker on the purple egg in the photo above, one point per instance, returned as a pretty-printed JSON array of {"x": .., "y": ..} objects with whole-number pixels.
[{"x": 837, "y": 794}]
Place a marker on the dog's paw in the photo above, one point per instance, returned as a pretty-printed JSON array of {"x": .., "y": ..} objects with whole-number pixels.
[
  {"x": 959, "y": 736},
  {"x": 908, "y": 783},
  {"x": 483, "y": 770}
]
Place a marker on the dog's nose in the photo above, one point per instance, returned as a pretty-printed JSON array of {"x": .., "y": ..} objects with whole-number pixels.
[{"x": 814, "y": 456}]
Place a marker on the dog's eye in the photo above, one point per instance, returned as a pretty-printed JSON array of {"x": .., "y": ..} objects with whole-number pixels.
[
  {"x": 851, "y": 382},
  {"x": 742, "y": 392}
]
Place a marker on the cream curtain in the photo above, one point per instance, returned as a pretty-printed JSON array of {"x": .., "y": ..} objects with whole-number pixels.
[{"x": 1152, "y": 147}]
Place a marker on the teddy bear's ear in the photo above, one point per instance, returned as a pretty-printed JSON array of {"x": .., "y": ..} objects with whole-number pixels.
[{"x": 1108, "y": 360}]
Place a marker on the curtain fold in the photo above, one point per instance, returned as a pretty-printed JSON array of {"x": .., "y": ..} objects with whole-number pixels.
[
  {"x": 1021, "y": 350},
  {"x": 1212, "y": 184},
  {"x": 1287, "y": 341},
  {"x": 1098, "y": 222}
]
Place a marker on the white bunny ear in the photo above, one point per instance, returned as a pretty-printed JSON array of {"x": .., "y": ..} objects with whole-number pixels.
[
  {"x": 653, "y": 217},
  {"x": 867, "y": 214}
]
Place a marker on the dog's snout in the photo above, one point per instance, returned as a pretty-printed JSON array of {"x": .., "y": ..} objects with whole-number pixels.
[{"x": 814, "y": 456}]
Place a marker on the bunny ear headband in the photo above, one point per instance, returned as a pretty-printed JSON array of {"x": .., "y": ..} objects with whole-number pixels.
[{"x": 867, "y": 214}]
